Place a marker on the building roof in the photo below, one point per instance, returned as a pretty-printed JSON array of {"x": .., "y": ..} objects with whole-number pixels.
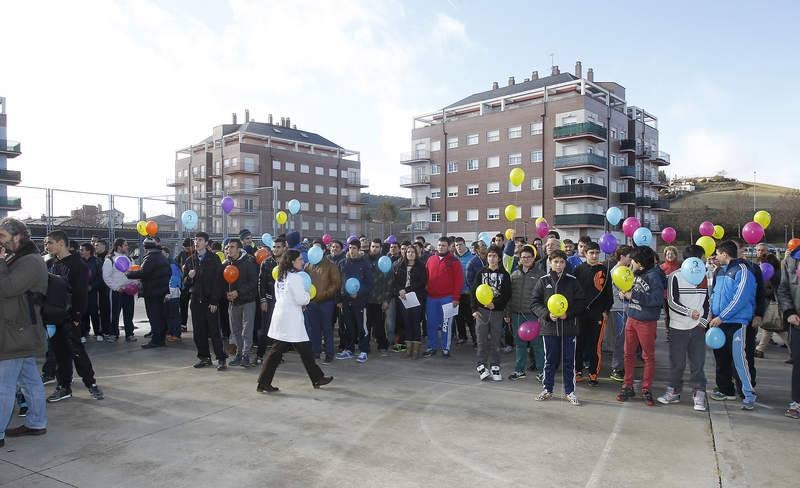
[
  {"x": 277, "y": 131},
  {"x": 505, "y": 91}
]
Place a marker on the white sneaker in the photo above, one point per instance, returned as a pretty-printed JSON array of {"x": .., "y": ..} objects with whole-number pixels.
[
  {"x": 362, "y": 358},
  {"x": 543, "y": 396},
  {"x": 669, "y": 397},
  {"x": 83, "y": 340},
  {"x": 700, "y": 401},
  {"x": 496, "y": 376},
  {"x": 99, "y": 338},
  {"x": 508, "y": 349},
  {"x": 572, "y": 399},
  {"x": 482, "y": 372}
]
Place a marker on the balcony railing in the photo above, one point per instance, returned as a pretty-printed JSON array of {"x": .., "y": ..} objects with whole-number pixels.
[
  {"x": 644, "y": 201},
  {"x": 661, "y": 158},
  {"x": 356, "y": 181},
  {"x": 584, "y": 129},
  {"x": 579, "y": 190},
  {"x": 594, "y": 161},
  {"x": 415, "y": 180},
  {"x": 420, "y": 225},
  {"x": 356, "y": 200},
  {"x": 645, "y": 153},
  {"x": 417, "y": 204},
  {"x": 198, "y": 175},
  {"x": 627, "y": 145},
  {"x": 243, "y": 168},
  {"x": 589, "y": 220},
  {"x": 10, "y": 149},
  {"x": 627, "y": 198},
  {"x": 9, "y": 177},
  {"x": 415, "y": 156},
  {"x": 7, "y": 203},
  {"x": 660, "y": 205},
  {"x": 627, "y": 172}
]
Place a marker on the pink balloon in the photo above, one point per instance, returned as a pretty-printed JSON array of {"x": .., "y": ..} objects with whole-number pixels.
[
  {"x": 752, "y": 232},
  {"x": 668, "y": 234},
  {"x": 542, "y": 229},
  {"x": 630, "y": 225},
  {"x": 706, "y": 229},
  {"x": 529, "y": 330},
  {"x": 326, "y": 239}
]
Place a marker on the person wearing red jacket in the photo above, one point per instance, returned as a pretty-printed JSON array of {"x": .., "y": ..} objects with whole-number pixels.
[{"x": 445, "y": 282}]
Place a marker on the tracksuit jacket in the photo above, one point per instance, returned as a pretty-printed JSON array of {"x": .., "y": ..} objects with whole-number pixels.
[
  {"x": 564, "y": 284},
  {"x": 734, "y": 297}
]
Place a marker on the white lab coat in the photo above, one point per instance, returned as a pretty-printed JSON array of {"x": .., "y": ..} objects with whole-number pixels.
[{"x": 287, "y": 323}]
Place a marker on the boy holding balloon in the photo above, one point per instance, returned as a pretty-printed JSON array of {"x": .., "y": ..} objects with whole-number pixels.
[{"x": 491, "y": 293}]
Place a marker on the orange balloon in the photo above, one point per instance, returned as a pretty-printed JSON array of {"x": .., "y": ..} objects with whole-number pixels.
[
  {"x": 151, "y": 228},
  {"x": 261, "y": 255},
  {"x": 231, "y": 274},
  {"x": 793, "y": 244},
  {"x": 135, "y": 267}
]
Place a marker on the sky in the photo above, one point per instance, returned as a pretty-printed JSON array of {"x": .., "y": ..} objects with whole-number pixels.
[{"x": 102, "y": 93}]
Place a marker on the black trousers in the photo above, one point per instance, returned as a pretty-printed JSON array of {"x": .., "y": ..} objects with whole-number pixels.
[
  {"x": 104, "y": 302},
  {"x": 465, "y": 320},
  {"x": 156, "y": 310},
  {"x": 67, "y": 349},
  {"x": 205, "y": 326},
  {"x": 124, "y": 303},
  {"x": 586, "y": 348},
  {"x": 92, "y": 315},
  {"x": 794, "y": 342},
  {"x": 186, "y": 294},
  {"x": 376, "y": 323},
  {"x": 263, "y": 329},
  {"x": 276, "y": 354},
  {"x": 224, "y": 319}
]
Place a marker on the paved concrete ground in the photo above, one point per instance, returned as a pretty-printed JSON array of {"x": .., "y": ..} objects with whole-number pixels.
[{"x": 390, "y": 422}]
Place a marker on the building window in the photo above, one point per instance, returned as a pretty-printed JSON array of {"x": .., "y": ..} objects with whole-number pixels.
[
  {"x": 436, "y": 193},
  {"x": 472, "y": 164},
  {"x": 492, "y": 214},
  {"x": 436, "y": 169},
  {"x": 247, "y": 204},
  {"x": 319, "y": 171},
  {"x": 613, "y": 133},
  {"x": 332, "y": 172},
  {"x": 276, "y": 165},
  {"x": 472, "y": 214},
  {"x": 536, "y": 128},
  {"x": 332, "y": 209},
  {"x": 332, "y": 226},
  {"x": 319, "y": 207},
  {"x": 452, "y": 215},
  {"x": 344, "y": 173},
  {"x": 536, "y": 211},
  {"x": 493, "y": 162},
  {"x": 514, "y": 188},
  {"x": 492, "y": 188},
  {"x": 452, "y": 167},
  {"x": 304, "y": 168},
  {"x": 319, "y": 189},
  {"x": 227, "y": 163},
  {"x": 276, "y": 184},
  {"x": 436, "y": 145},
  {"x": 514, "y": 159},
  {"x": 472, "y": 139},
  {"x": 304, "y": 206},
  {"x": 621, "y": 134},
  {"x": 473, "y": 190},
  {"x": 289, "y": 166},
  {"x": 536, "y": 156},
  {"x": 303, "y": 187},
  {"x": 436, "y": 216},
  {"x": 344, "y": 192},
  {"x": 493, "y": 135},
  {"x": 331, "y": 190},
  {"x": 452, "y": 142},
  {"x": 289, "y": 186},
  {"x": 319, "y": 226},
  {"x": 536, "y": 183},
  {"x": 515, "y": 132},
  {"x": 452, "y": 191}
]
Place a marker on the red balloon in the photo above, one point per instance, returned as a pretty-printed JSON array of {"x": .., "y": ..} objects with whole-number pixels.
[{"x": 231, "y": 274}]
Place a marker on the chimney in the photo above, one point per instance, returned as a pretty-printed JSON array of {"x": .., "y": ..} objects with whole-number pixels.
[
  {"x": 283, "y": 121},
  {"x": 535, "y": 75},
  {"x": 590, "y": 74},
  {"x": 527, "y": 80},
  {"x": 556, "y": 71},
  {"x": 578, "y": 69},
  {"x": 288, "y": 122},
  {"x": 247, "y": 115},
  {"x": 495, "y": 86},
  {"x": 233, "y": 115},
  {"x": 269, "y": 119},
  {"x": 294, "y": 126},
  {"x": 510, "y": 81}
]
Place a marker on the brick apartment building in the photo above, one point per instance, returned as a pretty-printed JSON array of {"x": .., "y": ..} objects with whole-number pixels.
[
  {"x": 8, "y": 149},
  {"x": 262, "y": 166},
  {"x": 581, "y": 145}
]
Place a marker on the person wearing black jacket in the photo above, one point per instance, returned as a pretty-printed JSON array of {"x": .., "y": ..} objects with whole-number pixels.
[
  {"x": 595, "y": 279},
  {"x": 180, "y": 260},
  {"x": 95, "y": 268},
  {"x": 103, "y": 292},
  {"x": 65, "y": 343},
  {"x": 266, "y": 296},
  {"x": 155, "y": 273},
  {"x": 241, "y": 295},
  {"x": 489, "y": 318},
  {"x": 410, "y": 277},
  {"x": 559, "y": 332},
  {"x": 204, "y": 276}
]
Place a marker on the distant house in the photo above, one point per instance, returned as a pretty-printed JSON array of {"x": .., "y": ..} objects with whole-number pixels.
[
  {"x": 111, "y": 217},
  {"x": 681, "y": 187},
  {"x": 165, "y": 222}
]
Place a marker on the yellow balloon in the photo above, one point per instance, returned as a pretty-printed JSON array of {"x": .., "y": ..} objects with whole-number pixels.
[
  {"x": 622, "y": 276},
  {"x": 511, "y": 213},
  {"x": 719, "y": 232},
  {"x": 509, "y": 234},
  {"x": 516, "y": 176},
  {"x": 275, "y": 273},
  {"x": 313, "y": 291},
  {"x": 563, "y": 246},
  {"x": 281, "y": 217},
  {"x": 763, "y": 217},
  {"x": 221, "y": 256},
  {"x": 539, "y": 219},
  {"x": 484, "y": 294},
  {"x": 141, "y": 228},
  {"x": 708, "y": 245},
  {"x": 557, "y": 304}
]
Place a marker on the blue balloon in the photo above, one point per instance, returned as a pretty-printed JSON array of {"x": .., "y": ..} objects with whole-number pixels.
[
  {"x": 306, "y": 280},
  {"x": 613, "y": 215},
  {"x": 189, "y": 219},
  {"x": 293, "y": 206},
  {"x": 51, "y": 330},
  {"x": 642, "y": 236},
  {"x": 715, "y": 338},
  {"x": 693, "y": 270},
  {"x": 266, "y": 236},
  {"x": 608, "y": 243},
  {"x": 385, "y": 264},
  {"x": 352, "y": 285},
  {"x": 315, "y": 255},
  {"x": 486, "y": 238}
]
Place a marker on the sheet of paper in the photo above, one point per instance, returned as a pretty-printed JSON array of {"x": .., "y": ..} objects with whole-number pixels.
[
  {"x": 448, "y": 312},
  {"x": 411, "y": 300}
]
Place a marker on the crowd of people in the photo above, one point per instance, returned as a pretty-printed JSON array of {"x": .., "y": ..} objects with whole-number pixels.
[{"x": 250, "y": 304}]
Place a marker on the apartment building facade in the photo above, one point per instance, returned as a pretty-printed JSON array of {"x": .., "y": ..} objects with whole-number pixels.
[
  {"x": 262, "y": 166},
  {"x": 581, "y": 146},
  {"x": 8, "y": 150}
]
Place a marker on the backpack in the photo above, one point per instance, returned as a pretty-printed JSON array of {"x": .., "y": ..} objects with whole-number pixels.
[{"x": 57, "y": 302}]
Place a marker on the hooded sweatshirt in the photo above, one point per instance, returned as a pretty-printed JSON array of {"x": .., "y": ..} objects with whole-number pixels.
[
  {"x": 500, "y": 283},
  {"x": 360, "y": 269},
  {"x": 596, "y": 283},
  {"x": 445, "y": 276},
  {"x": 74, "y": 271},
  {"x": 647, "y": 295}
]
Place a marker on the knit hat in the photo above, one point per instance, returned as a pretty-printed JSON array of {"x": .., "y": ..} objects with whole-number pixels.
[
  {"x": 244, "y": 234},
  {"x": 150, "y": 243},
  {"x": 292, "y": 239}
]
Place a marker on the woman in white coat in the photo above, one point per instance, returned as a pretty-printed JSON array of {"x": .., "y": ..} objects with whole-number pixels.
[{"x": 288, "y": 324}]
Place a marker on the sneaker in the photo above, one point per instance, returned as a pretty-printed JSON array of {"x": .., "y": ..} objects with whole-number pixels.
[
  {"x": 625, "y": 394},
  {"x": 593, "y": 380},
  {"x": 46, "y": 380},
  {"x": 346, "y": 354},
  {"x": 59, "y": 394},
  {"x": 184, "y": 328},
  {"x": 383, "y": 352},
  {"x": 793, "y": 412},
  {"x": 721, "y": 397},
  {"x": 516, "y": 375},
  {"x": 403, "y": 348},
  {"x": 267, "y": 389},
  {"x": 648, "y": 398},
  {"x": 111, "y": 339},
  {"x": 617, "y": 375},
  {"x": 669, "y": 397},
  {"x": 246, "y": 361},
  {"x": 25, "y": 430},
  {"x": 328, "y": 359},
  {"x": 237, "y": 361},
  {"x": 362, "y": 358},
  {"x": 23, "y": 411},
  {"x": 98, "y": 338},
  {"x": 461, "y": 341},
  {"x": 540, "y": 377},
  {"x": 131, "y": 338},
  {"x": 150, "y": 345},
  {"x": 759, "y": 354},
  {"x": 429, "y": 353},
  {"x": 83, "y": 340},
  {"x": 445, "y": 353},
  {"x": 172, "y": 338},
  {"x": 543, "y": 396},
  {"x": 749, "y": 404},
  {"x": 496, "y": 376},
  {"x": 96, "y": 392},
  {"x": 260, "y": 359},
  {"x": 397, "y": 348},
  {"x": 203, "y": 363},
  {"x": 572, "y": 399},
  {"x": 699, "y": 401},
  {"x": 222, "y": 365},
  {"x": 483, "y": 373},
  {"x": 789, "y": 361},
  {"x": 578, "y": 377},
  {"x": 508, "y": 348}
]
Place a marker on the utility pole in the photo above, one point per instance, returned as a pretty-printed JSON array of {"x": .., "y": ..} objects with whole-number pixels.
[{"x": 754, "y": 191}]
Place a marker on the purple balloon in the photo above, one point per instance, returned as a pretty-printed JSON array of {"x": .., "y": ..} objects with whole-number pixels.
[
  {"x": 529, "y": 330},
  {"x": 227, "y": 204},
  {"x": 122, "y": 263},
  {"x": 668, "y": 234},
  {"x": 391, "y": 240},
  {"x": 630, "y": 225},
  {"x": 767, "y": 271},
  {"x": 752, "y": 232},
  {"x": 706, "y": 229},
  {"x": 351, "y": 239},
  {"x": 608, "y": 243}
]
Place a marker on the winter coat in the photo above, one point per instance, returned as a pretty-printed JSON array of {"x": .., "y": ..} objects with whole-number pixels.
[
  {"x": 465, "y": 259},
  {"x": 326, "y": 278},
  {"x": 522, "y": 286},
  {"x": 288, "y": 324},
  {"x": 647, "y": 295},
  {"x": 74, "y": 271},
  {"x": 206, "y": 286},
  {"x": 361, "y": 270},
  {"x": 266, "y": 285},
  {"x": 596, "y": 283},
  {"x": 564, "y": 284},
  {"x": 419, "y": 279},
  {"x": 247, "y": 284},
  {"x": 733, "y": 299},
  {"x": 23, "y": 276},
  {"x": 112, "y": 277},
  {"x": 788, "y": 293},
  {"x": 500, "y": 283},
  {"x": 95, "y": 267},
  {"x": 154, "y": 274},
  {"x": 381, "y": 283},
  {"x": 445, "y": 277}
]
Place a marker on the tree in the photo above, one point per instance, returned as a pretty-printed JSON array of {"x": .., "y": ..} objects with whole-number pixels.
[
  {"x": 386, "y": 212},
  {"x": 662, "y": 176}
]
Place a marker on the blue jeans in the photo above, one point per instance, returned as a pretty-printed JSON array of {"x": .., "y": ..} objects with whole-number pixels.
[
  {"x": 391, "y": 315},
  {"x": 174, "y": 317},
  {"x": 435, "y": 323},
  {"x": 617, "y": 357},
  {"x": 22, "y": 371},
  {"x": 319, "y": 324},
  {"x": 521, "y": 347}
]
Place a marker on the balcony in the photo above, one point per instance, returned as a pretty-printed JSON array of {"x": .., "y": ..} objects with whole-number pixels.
[
  {"x": 645, "y": 153},
  {"x": 580, "y": 220},
  {"x": 645, "y": 202},
  {"x": 243, "y": 190},
  {"x": 627, "y": 145},
  {"x": 8, "y": 177},
  {"x": 580, "y": 190},
  {"x": 355, "y": 200},
  {"x": 643, "y": 176},
  {"x": 584, "y": 130},
  {"x": 420, "y": 204},
  {"x": 660, "y": 159},
  {"x": 660, "y": 205},
  {"x": 242, "y": 168},
  {"x": 627, "y": 198},
  {"x": 10, "y": 149},
  {"x": 356, "y": 182},
  {"x": 418, "y": 156},
  {"x": 174, "y": 182},
  {"x": 198, "y": 175},
  {"x": 415, "y": 180},
  {"x": 656, "y": 183},
  {"x": 576, "y": 161},
  {"x": 627, "y": 172},
  {"x": 420, "y": 226},
  {"x": 10, "y": 204}
]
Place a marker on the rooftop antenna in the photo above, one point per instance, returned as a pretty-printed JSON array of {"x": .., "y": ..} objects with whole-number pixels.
[{"x": 552, "y": 60}]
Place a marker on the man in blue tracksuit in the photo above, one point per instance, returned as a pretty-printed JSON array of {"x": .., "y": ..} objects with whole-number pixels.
[
  {"x": 732, "y": 307},
  {"x": 464, "y": 319}
]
